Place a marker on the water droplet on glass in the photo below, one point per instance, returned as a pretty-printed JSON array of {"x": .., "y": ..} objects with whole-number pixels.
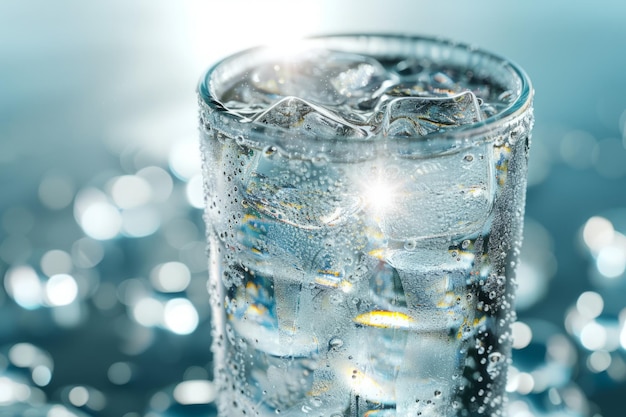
[{"x": 335, "y": 343}]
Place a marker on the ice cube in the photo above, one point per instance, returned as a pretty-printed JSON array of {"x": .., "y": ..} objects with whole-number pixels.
[
  {"x": 305, "y": 117},
  {"x": 386, "y": 287},
  {"x": 326, "y": 77},
  {"x": 410, "y": 67},
  {"x": 246, "y": 100},
  {"x": 443, "y": 196},
  {"x": 408, "y": 90},
  {"x": 419, "y": 116},
  {"x": 439, "y": 361},
  {"x": 357, "y": 76}
]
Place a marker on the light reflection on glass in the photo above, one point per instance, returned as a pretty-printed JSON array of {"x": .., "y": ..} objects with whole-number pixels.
[{"x": 379, "y": 195}]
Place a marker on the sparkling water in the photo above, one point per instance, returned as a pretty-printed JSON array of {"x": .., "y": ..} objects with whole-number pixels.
[{"x": 381, "y": 287}]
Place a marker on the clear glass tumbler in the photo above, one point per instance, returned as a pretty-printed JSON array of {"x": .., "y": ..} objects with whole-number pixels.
[{"x": 364, "y": 206}]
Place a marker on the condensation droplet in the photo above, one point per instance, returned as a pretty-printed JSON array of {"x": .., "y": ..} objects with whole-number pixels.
[
  {"x": 319, "y": 160},
  {"x": 335, "y": 343}
]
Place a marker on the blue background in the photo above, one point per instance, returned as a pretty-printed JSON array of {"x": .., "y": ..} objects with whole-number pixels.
[{"x": 93, "y": 90}]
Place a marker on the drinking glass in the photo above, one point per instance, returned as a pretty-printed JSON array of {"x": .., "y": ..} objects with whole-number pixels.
[{"x": 364, "y": 206}]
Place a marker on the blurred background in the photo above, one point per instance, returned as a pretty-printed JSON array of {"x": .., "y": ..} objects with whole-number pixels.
[{"x": 103, "y": 305}]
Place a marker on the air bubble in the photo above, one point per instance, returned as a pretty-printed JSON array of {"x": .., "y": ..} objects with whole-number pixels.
[
  {"x": 316, "y": 402},
  {"x": 468, "y": 158},
  {"x": 269, "y": 151},
  {"x": 336, "y": 298},
  {"x": 335, "y": 343},
  {"x": 410, "y": 245}
]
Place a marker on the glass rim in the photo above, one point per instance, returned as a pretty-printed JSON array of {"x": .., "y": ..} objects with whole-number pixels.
[{"x": 513, "y": 111}]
